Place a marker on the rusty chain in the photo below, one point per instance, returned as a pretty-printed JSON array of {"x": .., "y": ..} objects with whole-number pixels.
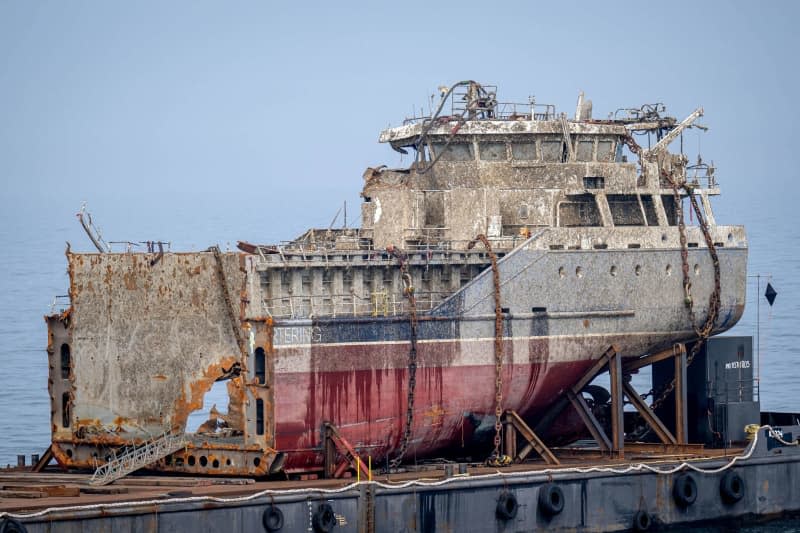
[
  {"x": 498, "y": 348},
  {"x": 714, "y": 298},
  {"x": 408, "y": 291}
]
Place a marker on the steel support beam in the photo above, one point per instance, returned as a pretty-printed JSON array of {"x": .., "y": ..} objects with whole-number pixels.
[
  {"x": 513, "y": 422},
  {"x": 589, "y": 420},
  {"x": 681, "y": 417},
  {"x": 617, "y": 417},
  {"x": 648, "y": 415}
]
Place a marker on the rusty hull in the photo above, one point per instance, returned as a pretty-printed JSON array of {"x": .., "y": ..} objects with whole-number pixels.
[{"x": 138, "y": 349}]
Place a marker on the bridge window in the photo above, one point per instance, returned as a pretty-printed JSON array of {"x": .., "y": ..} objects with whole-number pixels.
[
  {"x": 579, "y": 211},
  {"x": 454, "y": 152},
  {"x": 524, "y": 151},
  {"x": 625, "y": 210},
  {"x": 493, "y": 151},
  {"x": 584, "y": 150},
  {"x": 552, "y": 151},
  {"x": 605, "y": 150}
]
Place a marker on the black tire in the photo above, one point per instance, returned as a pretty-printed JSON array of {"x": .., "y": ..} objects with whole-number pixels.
[
  {"x": 9, "y": 525},
  {"x": 323, "y": 520},
  {"x": 599, "y": 394},
  {"x": 272, "y": 518},
  {"x": 551, "y": 499},
  {"x": 731, "y": 487},
  {"x": 684, "y": 490},
  {"x": 642, "y": 521},
  {"x": 507, "y": 506}
]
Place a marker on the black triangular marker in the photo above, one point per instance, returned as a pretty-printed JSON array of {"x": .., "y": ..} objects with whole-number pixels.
[{"x": 770, "y": 294}]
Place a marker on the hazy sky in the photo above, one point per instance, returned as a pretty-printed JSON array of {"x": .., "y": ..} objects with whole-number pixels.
[{"x": 147, "y": 105}]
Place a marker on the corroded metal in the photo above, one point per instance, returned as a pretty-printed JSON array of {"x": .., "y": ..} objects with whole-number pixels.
[{"x": 588, "y": 249}]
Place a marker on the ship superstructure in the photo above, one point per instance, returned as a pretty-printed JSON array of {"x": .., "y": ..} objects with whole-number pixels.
[{"x": 490, "y": 273}]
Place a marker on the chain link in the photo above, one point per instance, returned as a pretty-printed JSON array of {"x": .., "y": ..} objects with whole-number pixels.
[
  {"x": 498, "y": 348},
  {"x": 408, "y": 291},
  {"x": 714, "y": 298}
]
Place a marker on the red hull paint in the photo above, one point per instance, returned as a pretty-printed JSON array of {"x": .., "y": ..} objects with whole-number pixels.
[{"x": 369, "y": 406}]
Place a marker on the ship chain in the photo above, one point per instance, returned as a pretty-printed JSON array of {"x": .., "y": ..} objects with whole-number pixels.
[
  {"x": 497, "y": 459},
  {"x": 408, "y": 291},
  {"x": 713, "y": 301}
]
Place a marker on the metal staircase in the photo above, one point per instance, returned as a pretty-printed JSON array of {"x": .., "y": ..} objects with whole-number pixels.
[{"x": 137, "y": 457}]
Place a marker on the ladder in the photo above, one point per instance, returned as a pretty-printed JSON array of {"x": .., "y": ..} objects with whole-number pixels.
[{"x": 138, "y": 457}]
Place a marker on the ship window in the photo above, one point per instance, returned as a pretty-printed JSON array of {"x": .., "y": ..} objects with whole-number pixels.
[
  {"x": 625, "y": 210},
  {"x": 493, "y": 151},
  {"x": 669, "y": 209},
  {"x": 454, "y": 152},
  {"x": 524, "y": 151},
  {"x": 66, "y": 361},
  {"x": 522, "y": 212},
  {"x": 594, "y": 182},
  {"x": 261, "y": 366},
  {"x": 552, "y": 151},
  {"x": 579, "y": 211},
  {"x": 649, "y": 210},
  {"x": 66, "y": 407},
  {"x": 259, "y": 416},
  {"x": 584, "y": 150},
  {"x": 605, "y": 150}
]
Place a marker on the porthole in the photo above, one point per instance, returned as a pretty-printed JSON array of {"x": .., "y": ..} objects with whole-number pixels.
[
  {"x": 562, "y": 273},
  {"x": 663, "y": 237},
  {"x": 215, "y": 463},
  {"x": 668, "y": 270},
  {"x": 191, "y": 461},
  {"x": 579, "y": 272},
  {"x": 696, "y": 269},
  {"x": 203, "y": 461},
  {"x": 638, "y": 270},
  {"x": 613, "y": 270},
  {"x": 730, "y": 237},
  {"x": 257, "y": 461}
]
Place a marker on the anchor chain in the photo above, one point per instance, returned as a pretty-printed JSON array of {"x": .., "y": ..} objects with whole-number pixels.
[
  {"x": 408, "y": 292},
  {"x": 714, "y": 298},
  {"x": 497, "y": 458}
]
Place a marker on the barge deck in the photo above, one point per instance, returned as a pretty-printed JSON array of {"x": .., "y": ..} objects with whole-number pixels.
[{"x": 653, "y": 487}]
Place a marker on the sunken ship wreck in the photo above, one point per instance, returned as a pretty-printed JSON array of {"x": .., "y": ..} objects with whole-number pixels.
[{"x": 517, "y": 246}]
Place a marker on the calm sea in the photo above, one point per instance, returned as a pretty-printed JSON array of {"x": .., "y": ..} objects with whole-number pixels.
[{"x": 33, "y": 233}]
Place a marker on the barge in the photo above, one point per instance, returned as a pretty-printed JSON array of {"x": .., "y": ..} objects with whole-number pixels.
[
  {"x": 518, "y": 257},
  {"x": 656, "y": 488}
]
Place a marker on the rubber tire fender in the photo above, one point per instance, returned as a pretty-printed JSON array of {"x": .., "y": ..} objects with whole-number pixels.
[
  {"x": 684, "y": 490},
  {"x": 9, "y": 525},
  {"x": 507, "y": 506},
  {"x": 642, "y": 521},
  {"x": 272, "y": 519},
  {"x": 324, "y": 520},
  {"x": 551, "y": 499},
  {"x": 731, "y": 487}
]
